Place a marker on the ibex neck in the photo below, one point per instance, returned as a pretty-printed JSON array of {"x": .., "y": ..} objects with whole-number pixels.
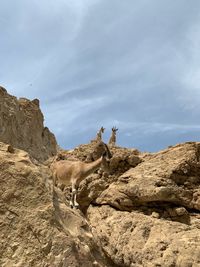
[{"x": 93, "y": 166}]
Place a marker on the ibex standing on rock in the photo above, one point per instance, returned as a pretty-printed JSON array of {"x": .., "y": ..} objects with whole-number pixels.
[
  {"x": 99, "y": 134},
  {"x": 73, "y": 172},
  {"x": 112, "y": 140}
]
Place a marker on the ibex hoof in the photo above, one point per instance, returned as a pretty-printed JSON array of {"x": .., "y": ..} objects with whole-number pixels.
[
  {"x": 71, "y": 205},
  {"x": 76, "y": 205}
]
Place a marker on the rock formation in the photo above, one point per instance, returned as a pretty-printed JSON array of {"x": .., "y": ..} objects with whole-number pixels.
[
  {"x": 147, "y": 214},
  {"x": 36, "y": 228},
  {"x": 21, "y": 125},
  {"x": 144, "y": 212},
  {"x": 150, "y": 216}
]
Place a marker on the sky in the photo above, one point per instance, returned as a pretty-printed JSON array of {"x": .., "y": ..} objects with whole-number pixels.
[{"x": 133, "y": 64}]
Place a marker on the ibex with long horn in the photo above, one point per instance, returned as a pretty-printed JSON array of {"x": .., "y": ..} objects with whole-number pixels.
[
  {"x": 112, "y": 140},
  {"x": 99, "y": 134}
]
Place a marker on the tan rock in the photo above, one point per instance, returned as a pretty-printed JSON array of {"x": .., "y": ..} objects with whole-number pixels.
[
  {"x": 21, "y": 126},
  {"x": 34, "y": 231},
  {"x": 160, "y": 179},
  {"x": 135, "y": 239},
  {"x": 10, "y": 149},
  {"x": 143, "y": 218}
]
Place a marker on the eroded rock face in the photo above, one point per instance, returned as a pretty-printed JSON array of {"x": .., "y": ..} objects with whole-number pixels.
[
  {"x": 171, "y": 176},
  {"x": 21, "y": 125},
  {"x": 150, "y": 216},
  {"x": 36, "y": 228},
  {"x": 131, "y": 219},
  {"x": 135, "y": 239}
]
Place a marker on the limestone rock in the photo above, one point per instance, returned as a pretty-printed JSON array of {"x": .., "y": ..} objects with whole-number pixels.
[
  {"x": 170, "y": 176},
  {"x": 21, "y": 125},
  {"x": 36, "y": 229},
  {"x": 135, "y": 239},
  {"x": 150, "y": 216}
]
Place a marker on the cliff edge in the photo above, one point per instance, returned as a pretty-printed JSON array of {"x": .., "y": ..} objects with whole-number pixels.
[{"x": 21, "y": 125}]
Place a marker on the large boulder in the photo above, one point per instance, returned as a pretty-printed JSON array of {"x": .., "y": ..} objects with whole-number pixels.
[
  {"x": 137, "y": 239},
  {"x": 150, "y": 215},
  {"x": 170, "y": 176}
]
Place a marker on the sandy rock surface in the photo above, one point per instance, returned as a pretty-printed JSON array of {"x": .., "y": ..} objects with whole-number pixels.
[
  {"x": 21, "y": 125},
  {"x": 171, "y": 176},
  {"x": 150, "y": 216},
  {"x": 146, "y": 214},
  {"x": 136, "y": 239},
  {"x": 37, "y": 228}
]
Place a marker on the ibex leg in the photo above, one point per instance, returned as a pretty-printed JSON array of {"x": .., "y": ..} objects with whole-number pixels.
[{"x": 73, "y": 202}]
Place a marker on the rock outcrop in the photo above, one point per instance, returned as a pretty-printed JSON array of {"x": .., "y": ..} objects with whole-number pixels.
[
  {"x": 137, "y": 239},
  {"x": 21, "y": 125},
  {"x": 36, "y": 228},
  {"x": 147, "y": 214},
  {"x": 150, "y": 216},
  {"x": 170, "y": 176}
]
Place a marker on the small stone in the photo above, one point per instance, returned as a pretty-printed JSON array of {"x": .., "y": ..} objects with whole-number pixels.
[
  {"x": 155, "y": 215},
  {"x": 181, "y": 211},
  {"x": 10, "y": 149}
]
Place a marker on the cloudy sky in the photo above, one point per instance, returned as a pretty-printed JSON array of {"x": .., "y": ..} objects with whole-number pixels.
[{"x": 134, "y": 64}]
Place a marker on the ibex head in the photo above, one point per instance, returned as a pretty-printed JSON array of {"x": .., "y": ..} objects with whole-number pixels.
[
  {"x": 102, "y": 149},
  {"x": 102, "y": 129},
  {"x": 114, "y": 129}
]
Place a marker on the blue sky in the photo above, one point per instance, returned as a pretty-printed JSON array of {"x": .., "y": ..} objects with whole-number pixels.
[{"x": 133, "y": 64}]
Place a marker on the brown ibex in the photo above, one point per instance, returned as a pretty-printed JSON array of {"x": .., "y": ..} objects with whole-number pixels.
[
  {"x": 73, "y": 172},
  {"x": 112, "y": 140},
  {"x": 99, "y": 134}
]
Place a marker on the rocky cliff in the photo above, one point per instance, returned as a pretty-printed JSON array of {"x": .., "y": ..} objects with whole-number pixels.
[
  {"x": 21, "y": 125},
  {"x": 150, "y": 216},
  {"x": 37, "y": 228},
  {"x": 144, "y": 213}
]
